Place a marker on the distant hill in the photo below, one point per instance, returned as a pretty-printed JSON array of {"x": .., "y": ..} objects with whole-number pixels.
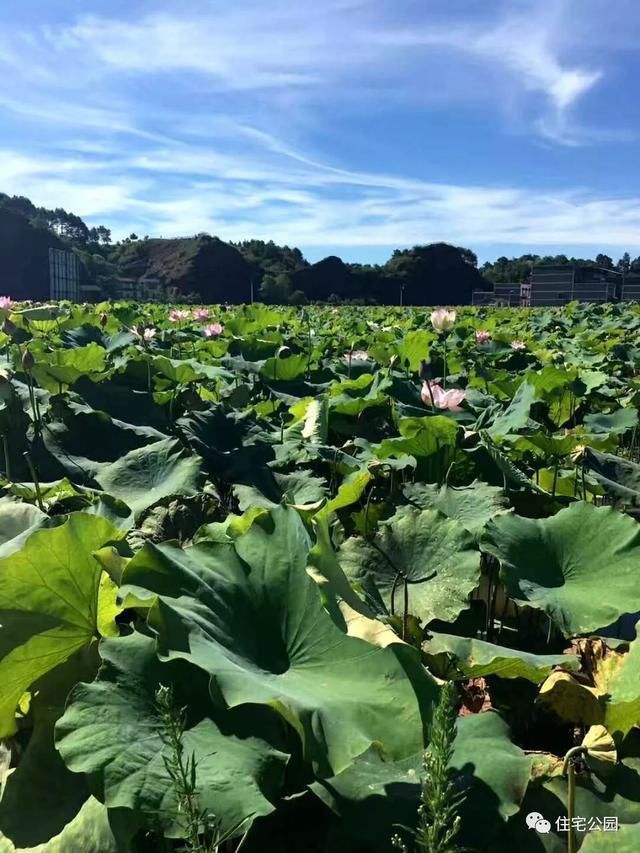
[
  {"x": 203, "y": 265},
  {"x": 207, "y": 269}
]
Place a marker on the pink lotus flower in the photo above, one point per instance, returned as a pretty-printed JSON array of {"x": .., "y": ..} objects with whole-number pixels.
[
  {"x": 443, "y": 320},
  {"x": 6, "y": 302},
  {"x": 482, "y": 336},
  {"x": 149, "y": 334},
  {"x": 201, "y": 314},
  {"x": 518, "y": 345},
  {"x": 177, "y": 316},
  {"x": 442, "y": 399},
  {"x": 213, "y": 330}
]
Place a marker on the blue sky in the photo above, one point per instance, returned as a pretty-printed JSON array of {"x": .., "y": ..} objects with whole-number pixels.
[{"x": 340, "y": 126}]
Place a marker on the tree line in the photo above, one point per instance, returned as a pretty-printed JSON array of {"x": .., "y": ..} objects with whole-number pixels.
[{"x": 437, "y": 273}]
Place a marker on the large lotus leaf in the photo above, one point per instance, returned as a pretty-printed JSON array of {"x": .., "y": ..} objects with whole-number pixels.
[
  {"x": 354, "y": 396},
  {"x": 65, "y": 366},
  {"x": 580, "y": 566},
  {"x": 148, "y": 474},
  {"x": 420, "y": 437},
  {"x": 183, "y": 371},
  {"x": 414, "y": 347},
  {"x": 373, "y": 796},
  {"x": 298, "y": 489},
  {"x": 17, "y": 522},
  {"x": 248, "y": 614},
  {"x": 48, "y": 603},
  {"x": 342, "y": 603},
  {"x": 546, "y": 446},
  {"x": 88, "y": 832},
  {"x": 557, "y": 387},
  {"x": 284, "y": 369},
  {"x": 495, "y": 774},
  {"x": 619, "y": 422},
  {"x": 238, "y": 775},
  {"x": 41, "y": 775},
  {"x": 516, "y": 416},
  {"x": 475, "y": 658},
  {"x": 619, "y": 477},
  {"x": 86, "y": 438},
  {"x": 122, "y": 402},
  {"x": 472, "y": 505},
  {"x": 498, "y": 464},
  {"x": 421, "y": 553}
]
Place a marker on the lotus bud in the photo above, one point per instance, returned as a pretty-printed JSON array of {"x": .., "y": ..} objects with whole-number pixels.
[
  {"x": 103, "y": 319},
  {"x": 8, "y": 327},
  {"x": 28, "y": 361},
  {"x": 443, "y": 320}
]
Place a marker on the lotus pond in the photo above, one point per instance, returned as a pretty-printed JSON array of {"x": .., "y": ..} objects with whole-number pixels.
[{"x": 245, "y": 551}]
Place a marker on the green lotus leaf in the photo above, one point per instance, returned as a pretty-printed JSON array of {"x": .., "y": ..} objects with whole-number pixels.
[
  {"x": 373, "y": 796},
  {"x": 579, "y": 566},
  {"x": 247, "y": 613},
  {"x": 420, "y": 437},
  {"x": 17, "y": 522},
  {"x": 297, "y": 489},
  {"x": 421, "y": 553},
  {"x": 619, "y": 477},
  {"x": 88, "y": 832},
  {"x": 284, "y": 369},
  {"x": 238, "y": 774},
  {"x": 183, "y": 371},
  {"x": 559, "y": 387},
  {"x": 475, "y": 658},
  {"x": 40, "y": 775},
  {"x": 516, "y": 417},
  {"x": 472, "y": 506},
  {"x": 66, "y": 366},
  {"x": 48, "y": 603},
  {"x": 350, "y": 490},
  {"x": 414, "y": 347},
  {"x": 619, "y": 422},
  {"x": 354, "y": 396},
  {"x": 146, "y": 475}
]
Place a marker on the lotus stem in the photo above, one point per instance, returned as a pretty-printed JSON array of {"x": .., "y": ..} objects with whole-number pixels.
[
  {"x": 36, "y": 481},
  {"x": 7, "y": 456},
  {"x": 405, "y": 609},
  {"x": 433, "y": 405},
  {"x": 444, "y": 361},
  {"x": 555, "y": 480},
  {"x": 568, "y": 770}
]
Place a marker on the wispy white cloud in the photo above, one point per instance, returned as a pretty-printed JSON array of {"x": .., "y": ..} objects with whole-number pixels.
[
  {"x": 331, "y": 50},
  {"x": 314, "y": 206}
]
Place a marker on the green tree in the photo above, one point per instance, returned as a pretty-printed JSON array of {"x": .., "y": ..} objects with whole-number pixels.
[{"x": 276, "y": 290}]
